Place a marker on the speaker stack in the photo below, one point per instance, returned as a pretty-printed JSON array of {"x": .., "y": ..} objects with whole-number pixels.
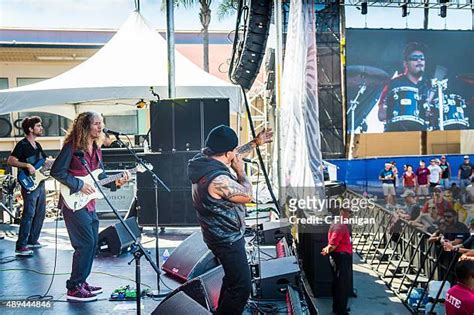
[{"x": 178, "y": 131}]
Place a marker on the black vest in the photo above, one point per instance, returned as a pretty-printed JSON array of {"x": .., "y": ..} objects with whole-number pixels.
[{"x": 221, "y": 221}]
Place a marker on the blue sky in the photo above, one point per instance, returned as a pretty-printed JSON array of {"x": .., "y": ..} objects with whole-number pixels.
[{"x": 99, "y": 14}]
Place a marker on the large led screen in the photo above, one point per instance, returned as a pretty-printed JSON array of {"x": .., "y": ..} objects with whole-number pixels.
[{"x": 409, "y": 80}]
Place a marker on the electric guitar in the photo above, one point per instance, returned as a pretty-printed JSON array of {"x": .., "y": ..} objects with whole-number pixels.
[
  {"x": 31, "y": 181},
  {"x": 79, "y": 200}
]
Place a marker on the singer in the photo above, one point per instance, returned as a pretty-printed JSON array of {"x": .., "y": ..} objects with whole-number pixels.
[
  {"x": 219, "y": 198},
  {"x": 82, "y": 145}
]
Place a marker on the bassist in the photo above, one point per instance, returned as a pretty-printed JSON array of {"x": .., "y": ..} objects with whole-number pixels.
[
  {"x": 27, "y": 153},
  {"x": 82, "y": 225}
]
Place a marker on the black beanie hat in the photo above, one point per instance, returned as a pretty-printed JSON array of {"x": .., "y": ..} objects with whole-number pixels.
[{"x": 222, "y": 139}]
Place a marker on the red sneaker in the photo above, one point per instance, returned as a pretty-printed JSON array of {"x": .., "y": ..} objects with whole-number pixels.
[
  {"x": 92, "y": 289},
  {"x": 23, "y": 251},
  {"x": 80, "y": 294}
]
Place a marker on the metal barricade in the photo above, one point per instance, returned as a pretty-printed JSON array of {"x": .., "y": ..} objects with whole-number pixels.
[{"x": 403, "y": 258}]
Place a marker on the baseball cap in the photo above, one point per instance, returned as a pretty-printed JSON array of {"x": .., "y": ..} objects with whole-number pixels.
[
  {"x": 466, "y": 156},
  {"x": 408, "y": 193}
]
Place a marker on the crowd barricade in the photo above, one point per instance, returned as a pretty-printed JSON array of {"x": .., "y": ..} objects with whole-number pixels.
[{"x": 401, "y": 255}]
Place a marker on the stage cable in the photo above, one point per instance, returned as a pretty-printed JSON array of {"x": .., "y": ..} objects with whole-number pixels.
[
  {"x": 45, "y": 296},
  {"x": 259, "y": 154}
]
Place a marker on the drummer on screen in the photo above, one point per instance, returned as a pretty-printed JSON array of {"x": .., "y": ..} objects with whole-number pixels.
[{"x": 402, "y": 102}]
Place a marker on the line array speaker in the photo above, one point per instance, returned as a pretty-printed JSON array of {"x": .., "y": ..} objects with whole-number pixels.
[{"x": 250, "y": 52}]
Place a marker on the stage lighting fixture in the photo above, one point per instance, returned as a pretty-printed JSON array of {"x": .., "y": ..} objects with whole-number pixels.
[
  {"x": 140, "y": 104},
  {"x": 363, "y": 9},
  {"x": 443, "y": 11},
  {"x": 404, "y": 10}
]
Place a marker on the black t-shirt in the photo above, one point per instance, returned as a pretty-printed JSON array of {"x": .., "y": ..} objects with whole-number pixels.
[
  {"x": 388, "y": 174},
  {"x": 445, "y": 168},
  {"x": 466, "y": 170},
  {"x": 25, "y": 152},
  {"x": 457, "y": 231}
]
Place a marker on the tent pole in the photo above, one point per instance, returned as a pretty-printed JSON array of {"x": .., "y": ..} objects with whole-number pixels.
[{"x": 170, "y": 41}]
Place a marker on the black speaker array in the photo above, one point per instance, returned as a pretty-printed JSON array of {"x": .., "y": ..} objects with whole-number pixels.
[
  {"x": 175, "y": 208},
  {"x": 251, "y": 49},
  {"x": 183, "y": 124}
]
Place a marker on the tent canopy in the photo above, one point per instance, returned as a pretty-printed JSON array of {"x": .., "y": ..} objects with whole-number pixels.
[{"x": 119, "y": 74}]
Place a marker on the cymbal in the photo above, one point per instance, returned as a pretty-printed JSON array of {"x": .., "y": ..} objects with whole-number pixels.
[
  {"x": 356, "y": 75},
  {"x": 467, "y": 77}
]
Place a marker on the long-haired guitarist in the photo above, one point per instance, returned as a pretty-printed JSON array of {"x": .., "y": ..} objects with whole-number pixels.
[
  {"x": 82, "y": 225},
  {"x": 27, "y": 153}
]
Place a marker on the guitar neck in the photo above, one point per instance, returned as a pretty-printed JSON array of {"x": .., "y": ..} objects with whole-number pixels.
[{"x": 113, "y": 178}]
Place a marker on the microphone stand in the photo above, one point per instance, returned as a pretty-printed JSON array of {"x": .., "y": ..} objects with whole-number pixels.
[
  {"x": 156, "y": 180},
  {"x": 139, "y": 251}
]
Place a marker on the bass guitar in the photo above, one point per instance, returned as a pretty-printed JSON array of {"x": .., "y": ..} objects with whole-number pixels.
[{"x": 31, "y": 181}]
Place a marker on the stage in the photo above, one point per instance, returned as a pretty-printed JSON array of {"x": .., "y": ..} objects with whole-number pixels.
[{"x": 32, "y": 275}]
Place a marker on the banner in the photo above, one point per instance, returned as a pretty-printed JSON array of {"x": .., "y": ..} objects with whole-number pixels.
[
  {"x": 299, "y": 118},
  {"x": 409, "y": 80}
]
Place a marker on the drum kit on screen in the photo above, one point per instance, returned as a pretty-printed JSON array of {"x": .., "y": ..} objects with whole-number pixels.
[{"x": 441, "y": 110}]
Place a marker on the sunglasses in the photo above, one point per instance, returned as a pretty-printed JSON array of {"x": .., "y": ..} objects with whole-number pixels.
[
  {"x": 416, "y": 58},
  {"x": 448, "y": 216}
]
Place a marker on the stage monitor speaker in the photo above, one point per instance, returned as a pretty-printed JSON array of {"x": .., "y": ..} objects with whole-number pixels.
[
  {"x": 183, "y": 124},
  {"x": 190, "y": 259},
  {"x": 275, "y": 276},
  {"x": 180, "y": 303},
  {"x": 115, "y": 240},
  {"x": 175, "y": 208},
  {"x": 249, "y": 56},
  {"x": 272, "y": 231},
  {"x": 204, "y": 289}
]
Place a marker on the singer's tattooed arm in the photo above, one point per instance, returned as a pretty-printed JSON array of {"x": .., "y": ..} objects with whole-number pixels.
[
  {"x": 264, "y": 136},
  {"x": 224, "y": 187}
]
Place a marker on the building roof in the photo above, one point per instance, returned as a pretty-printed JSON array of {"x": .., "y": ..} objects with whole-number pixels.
[{"x": 89, "y": 38}]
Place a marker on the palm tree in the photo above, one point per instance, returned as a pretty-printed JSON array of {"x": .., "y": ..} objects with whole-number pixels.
[{"x": 225, "y": 8}]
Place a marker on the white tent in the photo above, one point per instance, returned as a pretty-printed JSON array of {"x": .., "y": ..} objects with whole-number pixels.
[{"x": 117, "y": 76}]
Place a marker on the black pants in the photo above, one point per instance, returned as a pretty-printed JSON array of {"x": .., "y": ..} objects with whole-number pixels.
[
  {"x": 341, "y": 268},
  {"x": 34, "y": 211},
  {"x": 236, "y": 284},
  {"x": 83, "y": 229}
]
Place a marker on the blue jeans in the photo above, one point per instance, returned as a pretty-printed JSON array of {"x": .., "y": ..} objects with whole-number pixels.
[
  {"x": 34, "y": 210},
  {"x": 83, "y": 229},
  {"x": 445, "y": 183},
  {"x": 236, "y": 284},
  {"x": 464, "y": 182}
]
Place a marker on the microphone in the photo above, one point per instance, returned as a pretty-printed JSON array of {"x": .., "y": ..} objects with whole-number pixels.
[
  {"x": 112, "y": 132},
  {"x": 248, "y": 161}
]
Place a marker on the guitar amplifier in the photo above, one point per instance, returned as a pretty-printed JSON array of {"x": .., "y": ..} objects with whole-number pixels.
[{"x": 121, "y": 199}]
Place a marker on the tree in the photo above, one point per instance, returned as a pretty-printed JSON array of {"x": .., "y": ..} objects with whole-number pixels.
[{"x": 225, "y": 8}]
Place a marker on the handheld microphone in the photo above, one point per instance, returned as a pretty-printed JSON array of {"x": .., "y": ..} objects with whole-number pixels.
[
  {"x": 112, "y": 132},
  {"x": 248, "y": 161}
]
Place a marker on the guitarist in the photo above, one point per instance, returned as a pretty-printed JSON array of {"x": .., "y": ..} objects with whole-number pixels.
[
  {"x": 28, "y": 152},
  {"x": 82, "y": 225}
]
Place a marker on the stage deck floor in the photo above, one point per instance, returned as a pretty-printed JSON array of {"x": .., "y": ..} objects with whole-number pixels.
[{"x": 28, "y": 276}]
